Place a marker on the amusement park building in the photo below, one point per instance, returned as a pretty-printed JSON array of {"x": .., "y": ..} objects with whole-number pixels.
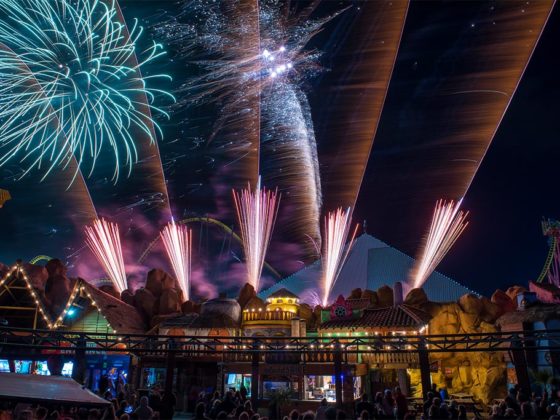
[{"x": 370, "y": 265}]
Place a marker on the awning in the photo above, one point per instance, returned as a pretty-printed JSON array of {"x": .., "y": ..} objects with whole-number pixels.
[{"x": 46, "y": 389}]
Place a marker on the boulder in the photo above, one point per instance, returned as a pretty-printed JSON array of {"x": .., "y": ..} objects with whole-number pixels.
[
  {"x": 490, "y": 311},
  {"x": 127, "y": 297},
  {"x": 501, "y": 299},
  {"x": 416, "y": 297},
  {"x": 471, "y": 304},
  {"x": 169, "y": 302},
  {"x": 154, "y": 281},
  {"x": 385, "y": 294},
  {"x": 246, "y": 293},
  {"x": 144, "y": 301},
  {"x": 513, "y": 291},
  {"x": 57, "y": 292},
  {"x": 445, "y": 319},
  {"x": 55, "y": 267},
  {"x": 371, "y": 296},
  {"x": 190, "y": 307},
  {"x": 355, "y": 294},
  {"x": 169, "y": 282},
  {"x": 37, "y": 274}
]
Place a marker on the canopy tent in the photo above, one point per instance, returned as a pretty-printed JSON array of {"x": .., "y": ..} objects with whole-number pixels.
[{"x": 46, "y": 389}]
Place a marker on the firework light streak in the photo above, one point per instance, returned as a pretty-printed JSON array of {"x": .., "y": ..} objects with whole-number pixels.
[
  {"x": 448, "y": 222},
  {"x": 91, "y": 94},
  {"x": 256, "y": 214},
  {"x": 335, "y": 251},
  {"x": 253, "y": 64},
  {"x": 104, "y": 241},
  {"x": 178, "y": 245}
]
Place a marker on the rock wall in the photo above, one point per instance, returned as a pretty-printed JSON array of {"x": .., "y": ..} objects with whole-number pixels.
[{"x": 482, "y": 374}]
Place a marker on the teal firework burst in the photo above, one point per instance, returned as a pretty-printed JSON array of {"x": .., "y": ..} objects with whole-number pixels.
[{"x": 71, "y": 85}]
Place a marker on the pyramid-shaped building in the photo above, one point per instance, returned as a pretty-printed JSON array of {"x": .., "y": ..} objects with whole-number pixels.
[{"x": 370, "y": 265}]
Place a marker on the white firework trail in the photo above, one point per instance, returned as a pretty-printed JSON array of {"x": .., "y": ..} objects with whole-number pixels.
[
  {"x": 256, "y": 213},
  {"x": 448, "y": 223},
  {"x": 178, "y": 245},
  {"x": 335, "y": 250},
  {"x": 104, "y": 240}
]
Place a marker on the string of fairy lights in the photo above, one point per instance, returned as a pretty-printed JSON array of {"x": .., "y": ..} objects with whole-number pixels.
[{"x": 52, "y": 324}]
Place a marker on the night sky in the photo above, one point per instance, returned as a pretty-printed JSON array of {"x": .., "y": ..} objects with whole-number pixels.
[
  {"x": 516, "y": 184},
  {"x": 514, "y": 187}
]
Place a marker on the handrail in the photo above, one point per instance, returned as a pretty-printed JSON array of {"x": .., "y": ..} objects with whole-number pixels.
[{"x": 141, "y": 343}]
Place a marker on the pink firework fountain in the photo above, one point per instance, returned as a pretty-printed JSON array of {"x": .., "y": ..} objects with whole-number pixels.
[
  {"x": 104, "y": 241},
  {"x": 448, "y": 223},
  {"x": 335, "y": 251},
  {"x": 256, "y": 214},
  {"x": 178, "y": 244}
]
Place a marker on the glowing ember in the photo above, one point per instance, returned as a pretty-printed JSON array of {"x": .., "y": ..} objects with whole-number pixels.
[
  {"x": 178, "y": 244},
  {"x": 337, "y": 227},
  {"x": 104, "y": 241},
  {"x": 447, "y": 225},
  {"x": 256, "y": 213}
]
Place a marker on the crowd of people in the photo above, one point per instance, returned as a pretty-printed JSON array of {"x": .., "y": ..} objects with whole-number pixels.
[
  {"x": 235, "y": 405},
  {"x": 522, "y": 405}
]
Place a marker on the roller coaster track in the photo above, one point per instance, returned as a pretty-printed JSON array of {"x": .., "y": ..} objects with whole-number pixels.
[
  {"x": 38, "y": 258},
  {"x": 551, "y": 229},
  {"x": 549, "y": 259},
  {"x": 209, "y": 221}
]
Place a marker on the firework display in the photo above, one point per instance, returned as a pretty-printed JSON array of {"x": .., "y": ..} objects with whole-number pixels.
[
  {"x": 104, "y": 240},
  {"x": 290, "y": 91},
  {"x": 254, "y": 68},
  {"x": 71, "y": 86},
  {"x": 335, "y": 248},
  {"x": 456, "y": 112},
  {"x": 448, "y": 222},
  {"x": 256, "y": 213},
  {"x": 178, "y": 245}
]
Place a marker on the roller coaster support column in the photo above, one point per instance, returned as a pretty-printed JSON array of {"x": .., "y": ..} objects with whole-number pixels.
[
  {"x": 338, "y": 374},
  {"x": 255, "y": 356},
  {"x": 170, "y": 366},
  {"x": 424, "y": 361}
]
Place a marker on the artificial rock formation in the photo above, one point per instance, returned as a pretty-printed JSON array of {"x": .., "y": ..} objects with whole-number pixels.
[
  {"x": 246, "y": 293},
  {"x": 385, "y": 295},
  {"x": 58, "y": 286},
  {"x": 481, "y": 374}
]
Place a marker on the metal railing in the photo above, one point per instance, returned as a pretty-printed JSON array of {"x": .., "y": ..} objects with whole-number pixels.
[{"x": 312, "y": 348}]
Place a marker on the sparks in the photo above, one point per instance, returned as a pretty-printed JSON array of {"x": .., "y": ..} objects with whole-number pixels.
[
  {"x": 104, "y": 241},
  {"x": 71, "y": 85},
  {"x": 178, "y": 244},
  {"x": 254, "y": 63},
  {"x": 256, "y": 214},
  {"x": 448, "y": 222},
  {"x": 335, "y": 251}
]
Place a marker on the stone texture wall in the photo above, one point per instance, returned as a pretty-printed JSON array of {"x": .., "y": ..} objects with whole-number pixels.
[{"x": 482, "y": 374}]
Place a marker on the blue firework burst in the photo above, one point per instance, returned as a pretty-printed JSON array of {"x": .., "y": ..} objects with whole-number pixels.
[{"x": 71, "y": 85}]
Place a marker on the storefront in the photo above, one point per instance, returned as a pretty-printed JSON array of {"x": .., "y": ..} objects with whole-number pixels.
[
  {"x": 318, "y": 387},
  {"x": 107, "y": 371},
  {"x": 35, "y": 367},
  {"x": 234, "y": 381}
]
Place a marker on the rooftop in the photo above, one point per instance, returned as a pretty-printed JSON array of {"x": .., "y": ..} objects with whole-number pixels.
[
  {"x": 394, "y": 317},
  {"x": 283, "y": 293}
]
